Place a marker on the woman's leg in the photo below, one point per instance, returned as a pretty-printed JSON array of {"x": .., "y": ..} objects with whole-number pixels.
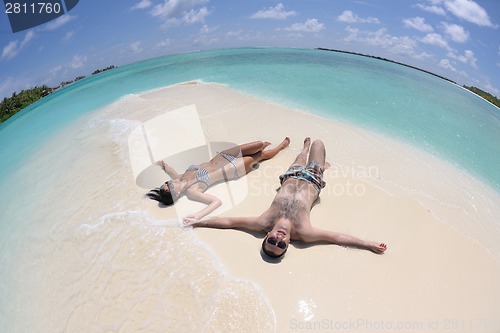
[
  {"x": 270, "y": 153},
  {"x": 246, "y": 149},
  {"x": 253, "y": 148},
  {"x": 262, "y": 155}
]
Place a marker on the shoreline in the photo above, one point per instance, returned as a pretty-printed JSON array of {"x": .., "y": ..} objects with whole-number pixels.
[{"x": 425, "y": 258}]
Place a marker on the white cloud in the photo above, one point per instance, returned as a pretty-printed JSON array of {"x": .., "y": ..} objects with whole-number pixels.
[
  {"x": 456, "y": 32},
  {"x": 277, "y": 13},
  {"x": 58, "y": 22},
  {"x": 204, "y": 40},
  {"x": 8, "y": 85},
  {"x": 311, "y": 25},
  {"x": 432, "y": 9},
  {"x": 246, "y": 36},
  {"x": 401, "y": 45},
  {"x": 195, "y": 16},
  {"x": 445, "y": 63},
  {"x": 135, "y": 47},
  {"x": 174, "y": 8},
  {"x": 234, "y": 33},
  {"x": 68, "y": 36},
  {"x": 467, "y": 58},
  {"x": 164, "y": 43},
  {"x": 469, "y": 11},
  {"x": 176, "y": 12},
  {"x": 249, "y": 36},
  {"x": 205, "y": 29},
  {"x": 417, "y": 23},
  {"x": 12, "y": 49},
  {"x": 490, "y": 88},
  {"x": 436, "y": 40},
  {"x": 78, "y": 61},
  {"x": 55, "y": 70},
  {"x": 143, "y": 4},
  {"x": 349, "y": 17},
  {"x": 29, "y": 36}
]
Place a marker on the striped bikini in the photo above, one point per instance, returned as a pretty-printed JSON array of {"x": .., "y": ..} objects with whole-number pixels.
[
  {"x": 231, "y": 159},
  {"x": 202, "y": 174}
]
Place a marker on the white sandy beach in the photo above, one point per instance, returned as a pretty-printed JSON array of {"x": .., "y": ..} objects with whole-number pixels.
[
  {"x": 441, "y": 269},
  {"x": 93, "y": 255}
]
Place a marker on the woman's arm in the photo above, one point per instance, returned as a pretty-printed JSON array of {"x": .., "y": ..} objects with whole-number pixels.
[
  {"x": 169, "y": 170},
  {"x": 212, "y": 204}
]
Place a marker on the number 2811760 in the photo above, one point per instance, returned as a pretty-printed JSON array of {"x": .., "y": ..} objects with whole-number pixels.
[{"x": 33, "y": 8}]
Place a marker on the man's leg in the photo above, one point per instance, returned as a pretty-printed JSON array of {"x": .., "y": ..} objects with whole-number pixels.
[
  {"x": 318, "y": 153},
  {"x": 301, "y": 159}
]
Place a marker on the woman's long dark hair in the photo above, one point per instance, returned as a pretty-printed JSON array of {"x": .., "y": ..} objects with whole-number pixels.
[{"x": 159, "y": 194}]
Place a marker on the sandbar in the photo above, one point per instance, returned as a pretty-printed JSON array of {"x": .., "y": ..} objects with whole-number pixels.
[{"x": 441, "y": 269}]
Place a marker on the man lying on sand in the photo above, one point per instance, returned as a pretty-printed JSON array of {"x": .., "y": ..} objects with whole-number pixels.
[{"x": 288, "y": 217}]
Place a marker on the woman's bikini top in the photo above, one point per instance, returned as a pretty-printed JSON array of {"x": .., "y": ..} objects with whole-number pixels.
[{"x": 202, "y": 174}]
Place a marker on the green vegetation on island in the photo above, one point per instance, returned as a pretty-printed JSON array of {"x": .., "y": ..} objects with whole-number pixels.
[
  {"x": 487, "y": 96},
  {"x": 18, "y": 101}
]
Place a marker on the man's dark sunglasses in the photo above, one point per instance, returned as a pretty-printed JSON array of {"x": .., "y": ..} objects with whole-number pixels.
[{"x": 274, "y": 241}]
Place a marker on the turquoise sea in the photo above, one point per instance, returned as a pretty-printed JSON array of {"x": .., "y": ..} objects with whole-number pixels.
[
  {"x": 405, "y": 103},
  {"x": 78, "y": 251}
]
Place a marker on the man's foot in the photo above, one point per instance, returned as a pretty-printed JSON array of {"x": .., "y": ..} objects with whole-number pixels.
[
  {"x": 307, "y": 146},
  {"x": 307, "y": 142},
  {"x": 377, "y": 248}
]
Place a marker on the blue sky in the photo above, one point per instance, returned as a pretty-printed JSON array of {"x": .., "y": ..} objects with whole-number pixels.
[{"x": 458, "y": 39}]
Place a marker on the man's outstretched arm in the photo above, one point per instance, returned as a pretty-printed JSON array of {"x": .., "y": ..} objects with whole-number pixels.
[
  {"x": 247, "y": 223},
  {"x": 319, "y": 235}
]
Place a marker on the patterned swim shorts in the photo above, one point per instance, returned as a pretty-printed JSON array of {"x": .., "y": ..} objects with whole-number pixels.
[{"x": 312, "y": 173}]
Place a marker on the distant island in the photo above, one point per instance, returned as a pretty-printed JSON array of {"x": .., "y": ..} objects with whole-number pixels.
[{"x": 18, "y": 101}]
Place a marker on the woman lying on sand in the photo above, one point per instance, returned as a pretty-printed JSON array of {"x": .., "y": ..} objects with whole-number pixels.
[{"x": 229, "y": 164}]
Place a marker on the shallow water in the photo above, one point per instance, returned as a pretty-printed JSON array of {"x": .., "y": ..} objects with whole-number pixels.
[
  {"x": 76, "y": 259},
  {"x": 70, "y": 250}
]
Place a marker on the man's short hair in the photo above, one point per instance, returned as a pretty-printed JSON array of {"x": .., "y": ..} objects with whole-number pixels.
[{"x": 269, "y": 253}]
